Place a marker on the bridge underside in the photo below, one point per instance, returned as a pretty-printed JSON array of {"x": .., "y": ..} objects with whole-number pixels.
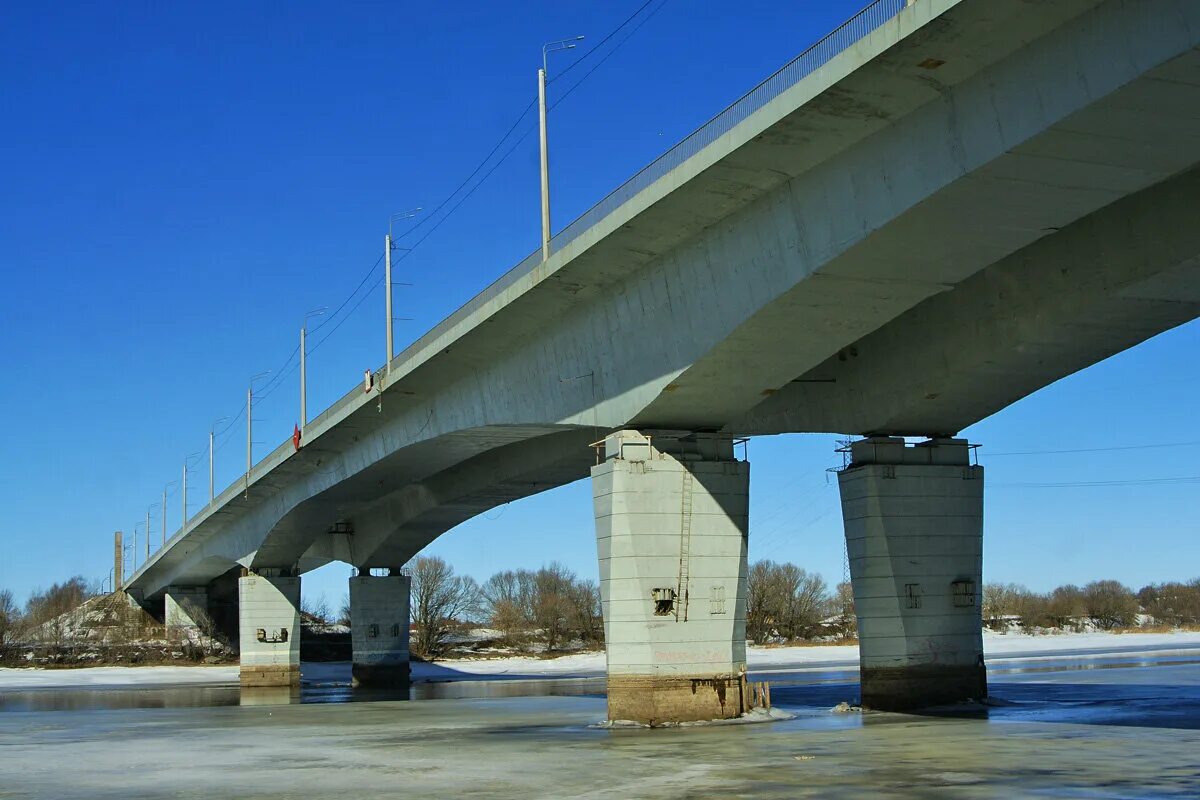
[{"x": 977, "y": 200}]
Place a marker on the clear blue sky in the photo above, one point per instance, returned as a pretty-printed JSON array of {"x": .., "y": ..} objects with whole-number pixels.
[{"x": 182, "y": 182}]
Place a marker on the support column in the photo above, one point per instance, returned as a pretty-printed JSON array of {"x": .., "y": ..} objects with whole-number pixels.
[
  {"x": 914, "y": 535},
  {"x": 186, "y": 611},
  {"x": 671, "y": 527},
  {"x": 379, "y": 629},
  {"x": 269, "y": 628}
]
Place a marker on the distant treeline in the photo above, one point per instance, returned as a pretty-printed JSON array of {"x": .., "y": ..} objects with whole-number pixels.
[
  {"x": 551, "y": 609},
  {"x": 1104, "y": 605}
]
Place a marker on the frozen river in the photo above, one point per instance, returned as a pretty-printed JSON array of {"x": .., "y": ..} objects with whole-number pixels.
[{"x": 1085, "y": 724}]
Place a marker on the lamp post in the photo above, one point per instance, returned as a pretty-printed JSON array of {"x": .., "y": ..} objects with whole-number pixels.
[
  {"x": 164, "y": 511},
  {"x": 212, "y": 435},
  {"x": 388, "y": 246},
  {"x": 152, "y": 505},
  {"x": 552, "y": 47},
  {"x": 250, "y": 426}
]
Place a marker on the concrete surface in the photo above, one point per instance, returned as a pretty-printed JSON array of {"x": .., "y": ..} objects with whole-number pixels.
[
  {"x": 914, "y": 537},
  {"x": 672, "y": 519},
  {"x": 269, "y": 630}
]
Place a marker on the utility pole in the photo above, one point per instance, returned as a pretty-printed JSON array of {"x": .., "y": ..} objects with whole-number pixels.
[
  {"x": 304, "y": 381},
  {"x": 249, "y": 425},
  {"x": 147, "y": 533},
  {"x": 562, "y": 44},
  {"x": 211, "y": 436},
  {"x": 164, "y": 517},
  {"x": 387, "y": 289},
  {"x": 545, "y": 159}
]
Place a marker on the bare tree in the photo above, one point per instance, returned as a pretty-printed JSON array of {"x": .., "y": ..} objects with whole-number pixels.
[
  {"x": 505, "y": 600},
  {"x": 344, "y": 611},
  {"x": 440, "y": 599},
  {"x": 1172, "y": 603},
  {"x": 1110, "y": 604},
  {"x": 587, "y": 618},
  {"x": 317, "y": 610},
  {"x": 10, "y": 616},
  {"x": 786, "y": 600}
]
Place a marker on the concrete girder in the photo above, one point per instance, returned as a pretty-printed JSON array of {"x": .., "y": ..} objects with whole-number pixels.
[{"x": 1095, "y": 288}]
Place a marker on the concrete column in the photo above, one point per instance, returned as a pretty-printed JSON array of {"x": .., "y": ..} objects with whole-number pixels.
[
  {"x": 186, "y": 611},
  {"x": 379, "y": 630},
  {"x": 914, "y": 535},
  {"x": 671, "y": 528},
  {"x": 269, "y": 629}
]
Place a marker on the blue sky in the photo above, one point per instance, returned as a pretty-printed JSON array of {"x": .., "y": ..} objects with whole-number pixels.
[{"x": 182, "y": 182}]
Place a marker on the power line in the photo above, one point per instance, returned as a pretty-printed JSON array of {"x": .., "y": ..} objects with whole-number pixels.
[
  {"x": 1093, "y": 449},
  {"x": 609, "y": 54},
  {"x": 474, "y": 172},
  {"x": 600, "y": 43},
  {"x": 1171, "y": 481}
]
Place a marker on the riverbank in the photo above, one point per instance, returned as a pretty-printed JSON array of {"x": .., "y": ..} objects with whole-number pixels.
[{"x": 997, "y": 647}]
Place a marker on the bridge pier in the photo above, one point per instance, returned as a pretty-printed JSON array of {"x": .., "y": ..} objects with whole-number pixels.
[
  {"x": 269, "y": 628},
  {"x": 671, "y": 528},
  {"x": 914, "y": 535},
  {"x": 379, "y": 622},
  {"x": 185, "y": 610}
]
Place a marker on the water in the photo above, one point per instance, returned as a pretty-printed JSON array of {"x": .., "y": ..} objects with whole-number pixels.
[{"x": 1101, "y": 726}]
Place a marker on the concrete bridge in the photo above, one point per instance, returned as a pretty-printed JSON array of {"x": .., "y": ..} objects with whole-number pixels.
[{"x": 940, "y": 209}]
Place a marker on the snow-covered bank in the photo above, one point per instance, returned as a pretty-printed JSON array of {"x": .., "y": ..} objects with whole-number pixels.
[
  {"x": 112, "y": 677},
  {"x": 581, "y": 665}
]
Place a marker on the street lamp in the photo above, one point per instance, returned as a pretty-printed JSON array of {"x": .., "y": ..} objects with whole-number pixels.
[
  {"x": 387, "y": 282},
  {"x": 250, "y": 425},
  {"x": 552, "y": 47},
  {"x": 212, "y": 434},
  {"x": 148, "y": 508},
  {"x": 164, "y": 511}
]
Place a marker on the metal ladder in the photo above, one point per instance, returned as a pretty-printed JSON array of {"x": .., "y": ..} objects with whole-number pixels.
[{"x": 685, "y": 546}]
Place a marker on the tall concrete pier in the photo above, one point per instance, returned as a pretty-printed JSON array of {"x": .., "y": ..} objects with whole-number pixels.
[
  {"x": 914, "y": 535},
  {"x": 379, "y": 629},
  {"x": 269, "y": 628},
  {"x": 671, "y": 531}
]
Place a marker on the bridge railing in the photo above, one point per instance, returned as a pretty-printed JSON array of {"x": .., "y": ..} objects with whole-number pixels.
[{"x": 800, "y": 67}]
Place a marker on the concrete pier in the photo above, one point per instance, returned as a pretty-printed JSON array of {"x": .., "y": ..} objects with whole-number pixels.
[
  {"x": 185, "y": 611},
  {"x": 379, "y": 622},
  {"x": 269, "y": 628},
  {"x": 914, "y": 533},
  {"x": 671, "y": 528}
]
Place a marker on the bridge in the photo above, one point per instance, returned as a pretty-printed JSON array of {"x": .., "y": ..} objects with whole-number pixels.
[{"x": 934, "y": 212}]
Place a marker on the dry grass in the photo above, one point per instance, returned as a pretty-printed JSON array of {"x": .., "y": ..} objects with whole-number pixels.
[
  {"x": 1158, "y": 629},
  {"x": 844, "y": 640}
]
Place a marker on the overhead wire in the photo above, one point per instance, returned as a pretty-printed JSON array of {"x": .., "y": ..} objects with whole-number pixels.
[
  {"x": 610, "y": 53},
  {"x": 594, "y": 48}
]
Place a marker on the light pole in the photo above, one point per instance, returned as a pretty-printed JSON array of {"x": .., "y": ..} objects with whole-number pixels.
[
  {"x": 186, "y": 462},
  {"x": 250, "y": 426},
  {"x": 135, "y": 541},
  {"x": 164, "y": 511},
  {"x": 303, "y": 367},
  {"x": 212, "y": 435},
  {"x": 561, "y": 44},
  {"x": 387, "y": 283},
  {"x": 152, "y": 505}
]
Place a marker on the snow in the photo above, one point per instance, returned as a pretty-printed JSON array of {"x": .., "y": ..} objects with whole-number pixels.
[
  {"x": 108, "y": 677},
  {"x": 580, "y": 665}
]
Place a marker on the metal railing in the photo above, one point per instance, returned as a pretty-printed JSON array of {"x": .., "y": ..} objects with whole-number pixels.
[{"x": 818, "y": 55}]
